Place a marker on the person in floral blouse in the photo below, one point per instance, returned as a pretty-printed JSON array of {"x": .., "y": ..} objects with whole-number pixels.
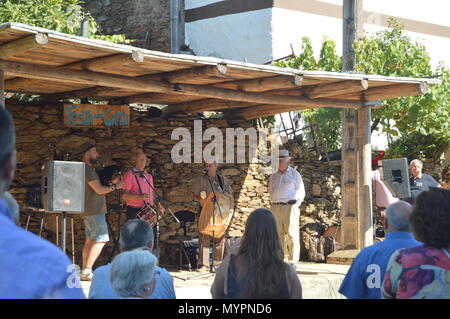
[{"x": 423, "y": 271}]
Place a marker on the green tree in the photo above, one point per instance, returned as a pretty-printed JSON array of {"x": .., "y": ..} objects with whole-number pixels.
[
  {"x": 60, "y": 15},
  {"x": 391, "y": 53},
  {"x": 327, "y": 119}
]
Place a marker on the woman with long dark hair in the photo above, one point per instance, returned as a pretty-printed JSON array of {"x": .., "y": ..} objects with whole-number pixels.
[{"x": 255, "y": 269}]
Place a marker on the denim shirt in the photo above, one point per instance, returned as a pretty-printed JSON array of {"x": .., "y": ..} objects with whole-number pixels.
[{"x": 32, "y": 267}]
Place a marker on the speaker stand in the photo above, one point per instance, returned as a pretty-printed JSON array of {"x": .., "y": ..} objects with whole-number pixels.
[
  {"x": 64, "y": 234},
  {"x": 63, "y": 231}
]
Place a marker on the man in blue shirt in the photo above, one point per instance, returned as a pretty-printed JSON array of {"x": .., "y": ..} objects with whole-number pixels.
[
  {"x": 12, "y": 207},
  {"x": 418, "y": 181},
  {"x": 365, "y": 277},
  {"x": 135, "y": 233},
  {"x": 30, "y": 267},
  {"x": 4, "y": 209}
]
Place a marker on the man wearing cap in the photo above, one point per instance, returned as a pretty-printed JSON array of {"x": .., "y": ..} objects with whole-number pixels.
[
  {"x": 94, "y": 217},
  {"x": 287, "y": 192}
]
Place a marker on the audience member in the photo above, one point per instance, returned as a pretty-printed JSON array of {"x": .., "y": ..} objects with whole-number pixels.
[
  {"x": 135, "y": 233},
  {"x": 133, "y": 274},
  {"x": 423, "y": 271},
  {"x": 31, "y": 267},
  {"x": 445, "y": 177},
  {"x": 365, "y": 276},
  {"x": 256, "y": 268},
  {"x": 13, "y": 207},
  {"x": 419, "y": 182},
  {"x": 383, "y": 196}
]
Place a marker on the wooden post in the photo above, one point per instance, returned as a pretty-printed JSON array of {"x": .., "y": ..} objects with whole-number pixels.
[
  {"x": 2, "y": 89},
  {"x": 365, "y": 177},
  {"x": 349, "y": 181},
  {"x": 352, "y": 30}
]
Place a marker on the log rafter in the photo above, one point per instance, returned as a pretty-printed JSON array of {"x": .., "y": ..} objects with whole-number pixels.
[
  {"x": 22, "y": 45},
  {"x": 336, "y": 88},
  {"x": 99, "y": 79}
]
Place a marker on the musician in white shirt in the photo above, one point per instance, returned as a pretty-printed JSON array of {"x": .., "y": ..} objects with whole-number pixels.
[{"x": 287, "y": 192}]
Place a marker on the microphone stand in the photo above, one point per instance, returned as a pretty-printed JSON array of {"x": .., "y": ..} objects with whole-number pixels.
[
  {"x": 158, "y": 199},
  {"x": 213, "y": 267}
]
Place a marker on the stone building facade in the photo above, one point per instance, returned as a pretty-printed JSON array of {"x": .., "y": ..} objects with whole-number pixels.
[
  {"x": 38, "y": 126},
  {"x": 147, "y": 22}
]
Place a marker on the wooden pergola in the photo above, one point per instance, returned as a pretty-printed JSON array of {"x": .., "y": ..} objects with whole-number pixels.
[{"x": 59, "y": 66}]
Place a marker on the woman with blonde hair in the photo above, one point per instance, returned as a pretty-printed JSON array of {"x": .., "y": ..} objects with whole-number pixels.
[{"x": 255, "y": 269}]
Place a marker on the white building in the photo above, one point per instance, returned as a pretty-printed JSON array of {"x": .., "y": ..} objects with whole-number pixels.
[{"x": 260, "y": 31}]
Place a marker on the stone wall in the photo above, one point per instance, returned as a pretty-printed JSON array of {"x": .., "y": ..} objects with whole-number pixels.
[
  {"x": 38, "y": 126},
  {"x": 137, "y": 19}
]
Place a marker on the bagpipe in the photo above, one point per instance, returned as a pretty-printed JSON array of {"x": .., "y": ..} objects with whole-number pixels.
[{"x": 108, "y": 173}]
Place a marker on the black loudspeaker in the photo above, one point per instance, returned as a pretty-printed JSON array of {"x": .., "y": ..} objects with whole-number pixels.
[
  {"x": 396, "y": 176},
  {"x": 63, "y": 186}
]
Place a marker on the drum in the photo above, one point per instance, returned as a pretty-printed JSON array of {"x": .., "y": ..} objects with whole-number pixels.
[
  {"x": 149, "y": 214},
  {"x": 215, "y": 217}
]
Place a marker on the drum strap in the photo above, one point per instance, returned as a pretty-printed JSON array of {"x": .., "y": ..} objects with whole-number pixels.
[
  {"x": 219, "y": 178},
  {"x": 139, "y": 185}
]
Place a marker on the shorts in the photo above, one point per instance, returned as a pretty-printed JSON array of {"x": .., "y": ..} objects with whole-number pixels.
[{"x": 95, "y": 228}]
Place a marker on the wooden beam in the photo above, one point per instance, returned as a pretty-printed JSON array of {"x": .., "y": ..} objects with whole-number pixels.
[
  {"x": 52, "y": 73},
  {"x": 101, "y": 64},
  {"x": 265, "y": 84},
  {"x": 109, "y": 62},
  {"x": 214, "y": 104},
  {"x": 158, "y": 98},
  {"x": 388, "y": 92},
  {"x": 63, "y": 74},
  {"x": 337, "y": 88},
  {"x": 186, "y": 75},
  {"x": 202, "y": 106},
  {"x": 257, "y": 111},
  {"x": 259, "y": 98},
  {"x": 18, "y": 47},
  {"x": 78, "y": 94}
]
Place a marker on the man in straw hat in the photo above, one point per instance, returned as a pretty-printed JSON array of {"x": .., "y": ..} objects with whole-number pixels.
[{"x": 287, "y": 192}]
